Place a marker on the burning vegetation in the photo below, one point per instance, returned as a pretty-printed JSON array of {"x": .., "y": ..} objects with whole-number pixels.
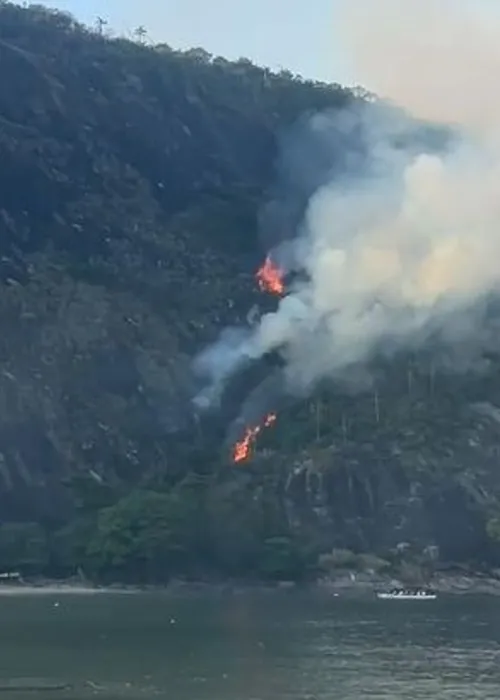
[
  {"x": 270, "y": 278},
  {"x": 243, "y": 449}
]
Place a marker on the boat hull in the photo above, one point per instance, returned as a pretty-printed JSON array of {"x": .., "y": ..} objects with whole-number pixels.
[{"x": 402, "y": 596}]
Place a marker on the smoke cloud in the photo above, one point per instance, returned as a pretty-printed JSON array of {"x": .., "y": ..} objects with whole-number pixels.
[
  {"x": 435, "y": 58},
  {"x": 409, "y": 248}
]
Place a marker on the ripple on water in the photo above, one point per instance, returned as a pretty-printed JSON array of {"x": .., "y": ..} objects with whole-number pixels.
[{"x": 245, "y": 648}]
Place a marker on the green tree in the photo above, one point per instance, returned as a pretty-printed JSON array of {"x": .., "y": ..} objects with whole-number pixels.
[
  {"x": 141, "y": 538},
  {"x": 23, "y": 548},
  {"x": 234, "y": 519},
  {"x": 69, "y": 545},
  {"x": 493, "y": 528},
  {"x": 282, "y": 559}
]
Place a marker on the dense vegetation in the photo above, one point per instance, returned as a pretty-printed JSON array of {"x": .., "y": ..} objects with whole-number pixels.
[{"x": 133, "y": 182}]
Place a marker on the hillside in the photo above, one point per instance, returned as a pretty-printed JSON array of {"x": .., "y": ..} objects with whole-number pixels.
[{"x": 134, "y": 210}]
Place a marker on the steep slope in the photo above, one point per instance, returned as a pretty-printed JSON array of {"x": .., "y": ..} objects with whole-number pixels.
[
  {"x": 129, "y": 190},
  {"x": 131, "y": 183}
]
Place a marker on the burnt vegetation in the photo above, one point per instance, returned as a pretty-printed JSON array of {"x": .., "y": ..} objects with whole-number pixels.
[{"x": 133, "y": 182}]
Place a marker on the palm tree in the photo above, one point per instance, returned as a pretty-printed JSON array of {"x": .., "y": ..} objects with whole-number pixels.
[
  {"x": 100, "y": 24},
  {"x": 140, "y": 33}
]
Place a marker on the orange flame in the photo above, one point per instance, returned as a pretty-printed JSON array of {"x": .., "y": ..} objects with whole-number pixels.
[
  {"x": 270, "y": 277},
  {"x": 243, "y": 449}
]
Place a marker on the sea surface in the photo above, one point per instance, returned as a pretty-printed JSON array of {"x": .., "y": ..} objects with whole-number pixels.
[{"x": 247, "y": 646}]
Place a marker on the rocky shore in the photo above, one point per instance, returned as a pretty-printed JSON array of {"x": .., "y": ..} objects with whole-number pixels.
[
  {"x": 457, "y": 583},
  {"x": 349, "y": 583}
]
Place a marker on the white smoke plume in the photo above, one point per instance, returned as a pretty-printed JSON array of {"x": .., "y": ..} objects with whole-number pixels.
[{"x": 396, "y": 257}]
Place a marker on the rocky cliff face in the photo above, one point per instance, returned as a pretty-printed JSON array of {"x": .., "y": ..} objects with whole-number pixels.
[
  {"x": 407, "y": 482},
  {"x": 132, "y": 180}
]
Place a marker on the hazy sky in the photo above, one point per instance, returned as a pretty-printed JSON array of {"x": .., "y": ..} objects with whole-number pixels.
[
  {"x": 301, "y": 35},
  {"x": 294, "y": 34}
]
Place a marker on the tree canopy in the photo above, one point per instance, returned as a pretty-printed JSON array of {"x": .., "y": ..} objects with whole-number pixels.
[{"x": 133, "y": 183}]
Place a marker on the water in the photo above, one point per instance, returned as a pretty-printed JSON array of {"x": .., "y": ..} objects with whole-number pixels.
[{"x": 258, "y": 646}]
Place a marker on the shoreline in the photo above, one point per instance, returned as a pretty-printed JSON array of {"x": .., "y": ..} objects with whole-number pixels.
[
  {"x": 348, "y": 585},
  {"x": 455, "y": 584}
]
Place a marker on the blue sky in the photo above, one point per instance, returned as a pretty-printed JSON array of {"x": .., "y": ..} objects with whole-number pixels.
[
  {"x": 300, "y": 35},
  {"x": 294, "y": 34}
]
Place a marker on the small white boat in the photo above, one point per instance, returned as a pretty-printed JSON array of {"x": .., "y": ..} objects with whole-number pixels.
[{"x": 405, "y": 594}]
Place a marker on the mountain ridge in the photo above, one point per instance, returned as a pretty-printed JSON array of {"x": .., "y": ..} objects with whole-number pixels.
[{"x": 133, "y": 182}]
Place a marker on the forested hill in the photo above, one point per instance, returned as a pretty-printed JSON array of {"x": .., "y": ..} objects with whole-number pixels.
[{"x": 132, "y": 183}]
